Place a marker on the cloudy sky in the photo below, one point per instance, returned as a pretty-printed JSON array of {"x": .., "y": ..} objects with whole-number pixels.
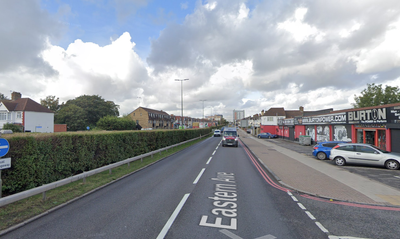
[{"x": 244, "y": 55}]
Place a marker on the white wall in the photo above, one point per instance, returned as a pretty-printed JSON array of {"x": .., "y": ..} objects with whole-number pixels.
[{"x": 39, "y": 122}]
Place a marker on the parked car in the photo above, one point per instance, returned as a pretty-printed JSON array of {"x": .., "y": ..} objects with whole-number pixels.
[
  {"x": 364, "y": 154},
  {"x": 322, "y": 150},
  {"x": 230, "y": 137},
  {"x": 217, "y": 133},
  {"x": 267, "y": 135}
]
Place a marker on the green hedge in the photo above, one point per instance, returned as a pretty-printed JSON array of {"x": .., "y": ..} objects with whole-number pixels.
[{"x": 38, "y": 159}]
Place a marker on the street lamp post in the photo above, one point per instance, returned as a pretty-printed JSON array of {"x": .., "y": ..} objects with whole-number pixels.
[
  {"x": 203, "y": 107},
  {"x": 181, "y": 80}
]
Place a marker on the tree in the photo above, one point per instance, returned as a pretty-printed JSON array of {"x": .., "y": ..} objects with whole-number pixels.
[
  {"x": 51, "y": 103},
  {"x": 72, "y": 115},
  {"x": 91, "y": 108},
  {"x": 375, "y": 95},
  {"x": 3, "y": 97},
  {"x": 95, "y": 107}
]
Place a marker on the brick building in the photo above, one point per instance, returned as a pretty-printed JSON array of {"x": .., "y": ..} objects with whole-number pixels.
[{"x": 149, "y": 118}]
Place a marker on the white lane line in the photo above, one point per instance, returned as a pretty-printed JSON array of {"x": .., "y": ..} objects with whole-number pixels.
[
  {"x": 209, "y": 160},
  {"x": 230, "y": 234},
  {"x": 290, "y": 194},
  {"x": 310, "y": 215},
  {"x": 321, "y": 227},
  {"x": 171, "y": 220},
  {"x": 294, "y": 199},
  {"x": 199, "y": 176},
  {"x": 214, "y": 152},
  {"x": 301, "y": 206}
]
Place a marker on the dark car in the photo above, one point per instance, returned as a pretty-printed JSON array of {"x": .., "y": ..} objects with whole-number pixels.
[
  {"x": 267, "y": 135},
  {"x": 322, "y": 150}
]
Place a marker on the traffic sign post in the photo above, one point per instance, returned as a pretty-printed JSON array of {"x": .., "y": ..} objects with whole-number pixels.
[{"x": 6, "y": 162}]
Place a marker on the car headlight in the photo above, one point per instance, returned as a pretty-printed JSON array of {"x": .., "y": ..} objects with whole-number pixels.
[{"x": 236, "y": 139}]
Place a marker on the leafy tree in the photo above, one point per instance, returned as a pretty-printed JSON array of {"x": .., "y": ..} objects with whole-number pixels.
[
  {"x": 3, "y": 97},
  {"x": 51, "y": 103},
  {"x": 72, "y": 115},
  {"x": 375, "y": 95},
  {"x": 95, "y": 107},
  {"x": 114, "y": 123}
]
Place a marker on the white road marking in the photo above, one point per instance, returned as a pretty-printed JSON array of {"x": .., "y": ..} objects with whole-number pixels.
[
  {"x": 321, "y": 227},
  {"x": 209, "y": 160},
  {"x": 290, "y": 194},
  {"x": 294, "y": 199},
  {"x": 199, "y": 176},
  {"x": 397, "y": 177},
  {"x": 234, "y": 236},
  {"x": 301, "y": 206},
  {"x": 310, "y": 215},
  {"x": 229, "y": 234},
  {"x": 214, "y": 152},
  {"x": 171, "y": 220}
]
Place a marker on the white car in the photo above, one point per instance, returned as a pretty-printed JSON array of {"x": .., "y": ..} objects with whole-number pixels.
[
  {"x": 364, "y": 154},
  {"x": 217, "y": 133}
]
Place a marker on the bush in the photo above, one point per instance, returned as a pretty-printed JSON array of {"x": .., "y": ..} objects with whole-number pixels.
[
  {"x": 39, "y": 159},
  {"x": 15, "y": 128},
  {"x": 115, "y": 123}
]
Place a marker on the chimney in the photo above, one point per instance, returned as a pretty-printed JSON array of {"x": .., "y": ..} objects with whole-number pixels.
[
  {"x": 15, "y": 95},
  {"x": 301, "y": 108}
]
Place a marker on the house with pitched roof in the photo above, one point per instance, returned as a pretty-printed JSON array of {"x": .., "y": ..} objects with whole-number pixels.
[
  {"x": 27, "y": 113},
  {"x": 150, "y": 118}
]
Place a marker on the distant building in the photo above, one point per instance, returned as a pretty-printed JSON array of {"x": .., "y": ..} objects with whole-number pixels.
[
  {"x": 149, "y": 118},
  {"x": 238, "y": 115},
  {"x": 30, "y": 115}
]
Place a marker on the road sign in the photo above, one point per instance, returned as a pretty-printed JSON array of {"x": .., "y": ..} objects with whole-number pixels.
[
  {"x": 5, "y": 163},
  {"x": 4, "y": 147}
]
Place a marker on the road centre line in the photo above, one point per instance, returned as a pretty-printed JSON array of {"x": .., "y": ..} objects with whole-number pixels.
[
  {"x": 310, "y": 215},
  {"x": 171, "y": 220},
  {"x": 294, "y": 199},
  {"x": 214, "y": 152},
  {"x": 322, "y": 227},
  {"x": 199, "y": 176},
  {"x": 209, "y": 160},
  {"x": 301, "y": 206}
]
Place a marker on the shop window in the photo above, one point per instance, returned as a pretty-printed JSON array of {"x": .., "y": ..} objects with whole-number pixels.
[
  {"x": 381, "y": 139},
  {"x": 360, "y": 136}
]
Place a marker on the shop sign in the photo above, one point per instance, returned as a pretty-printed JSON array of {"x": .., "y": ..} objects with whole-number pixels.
[
  {"x": 325, "y": 119},
  {"x": 370, "y": 125},
  {"x": 372, "y": 116},
  {"x": 288, "y": 121},
  {"x": 393, "y": 114}
]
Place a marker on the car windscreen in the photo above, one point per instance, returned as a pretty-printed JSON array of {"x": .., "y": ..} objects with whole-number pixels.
[{"x": 230, "y": 133}]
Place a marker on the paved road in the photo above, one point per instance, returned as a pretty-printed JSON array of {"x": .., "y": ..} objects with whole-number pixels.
[{"x": 204, "y": 191}]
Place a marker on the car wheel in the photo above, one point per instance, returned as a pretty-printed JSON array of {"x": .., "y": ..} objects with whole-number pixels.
[
  {"x": 392, "y": 164},
  {"x": 321, "y": 155},
  {"x": 340, "y": 161}
]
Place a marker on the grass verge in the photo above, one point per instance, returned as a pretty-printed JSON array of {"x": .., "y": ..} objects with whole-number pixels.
[{"x": 18, "y": 212}]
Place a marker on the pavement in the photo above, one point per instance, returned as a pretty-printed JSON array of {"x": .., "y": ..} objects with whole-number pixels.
[{"x": 296, "y": 170}]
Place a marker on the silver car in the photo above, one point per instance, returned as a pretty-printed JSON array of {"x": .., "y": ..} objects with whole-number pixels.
[{"x": 364, "y": 154}]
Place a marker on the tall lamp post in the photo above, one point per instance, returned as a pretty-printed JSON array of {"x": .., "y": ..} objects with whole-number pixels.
[
  {"x": 203, "y": 107},
  {"x": 181, "y": 80}
]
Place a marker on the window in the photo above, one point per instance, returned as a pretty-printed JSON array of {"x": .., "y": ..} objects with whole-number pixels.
[
  {"x": 365, "y": 149},
  {"x": 19, "y": 115},
  {"x": 5, "y": 116},
  {"x": 346, "y": 148}
]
